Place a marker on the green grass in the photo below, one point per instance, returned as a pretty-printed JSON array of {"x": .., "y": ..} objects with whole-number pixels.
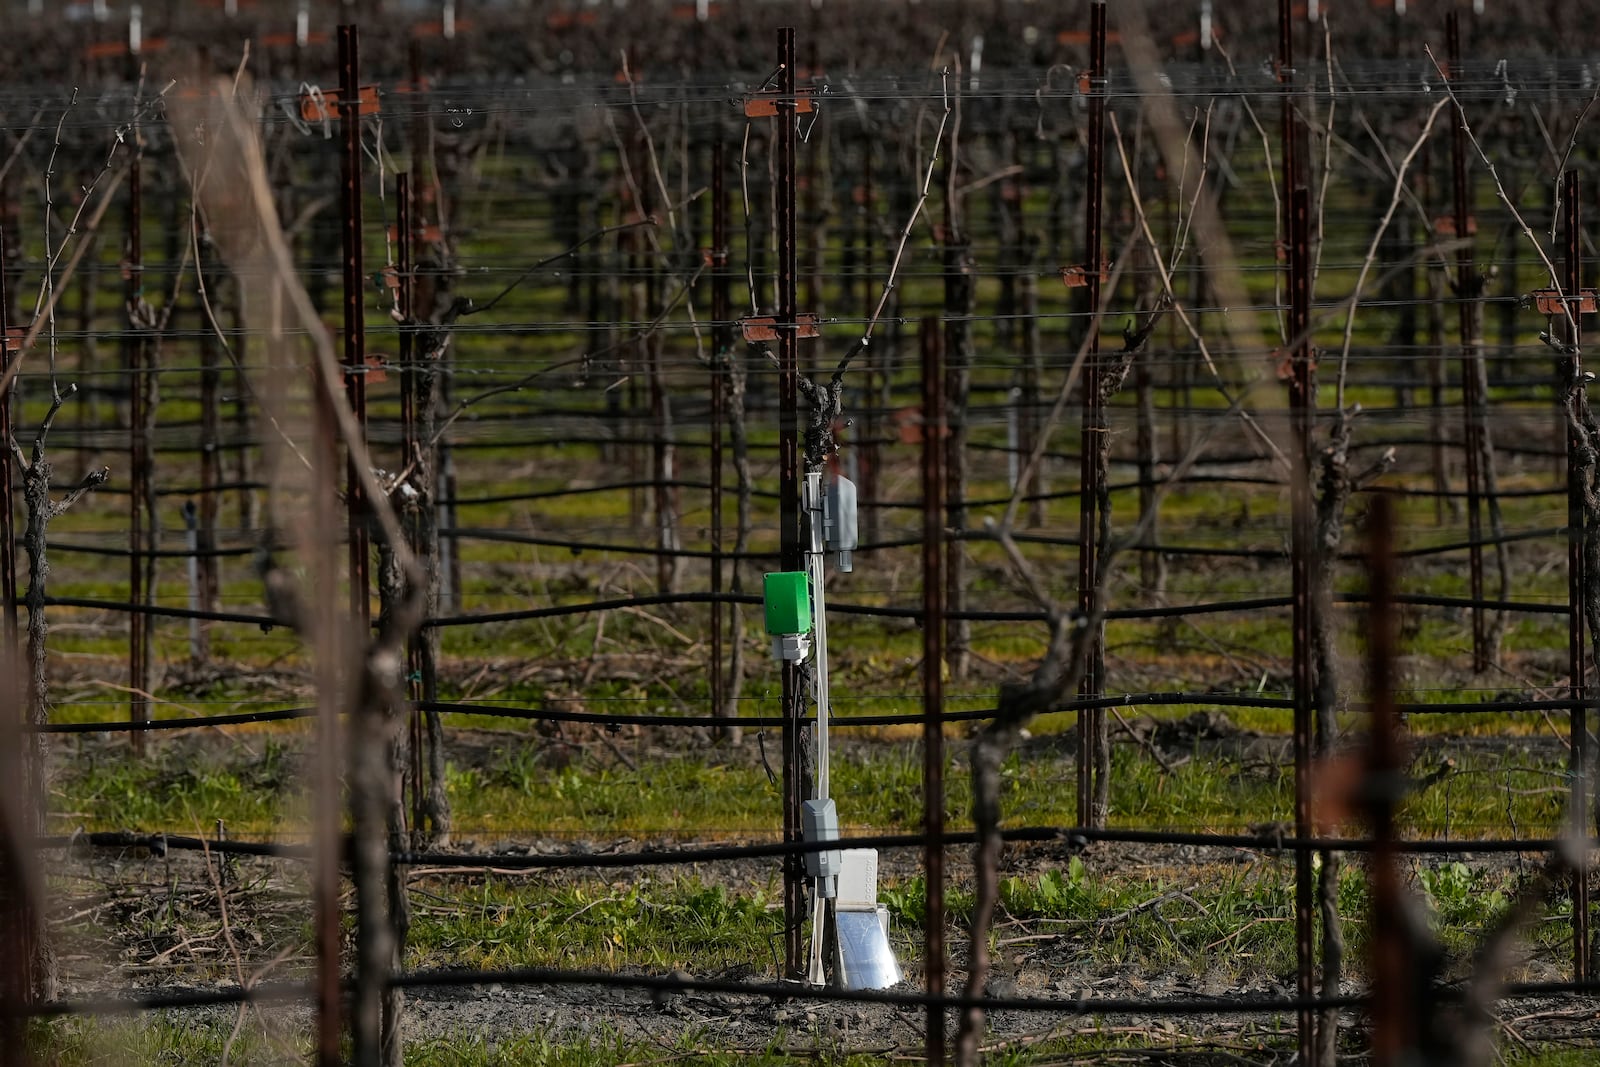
[
  {"x": 645, "y": 922},
  {"x": 684, "y": 794},
  {"x": 161, "y": 1038},
  {"x": 256, "y": 792},
  {"x": 524, "y": 786}
]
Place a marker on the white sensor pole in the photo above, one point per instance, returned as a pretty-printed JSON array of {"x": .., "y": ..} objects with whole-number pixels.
[{"x": 816, "y": 566}]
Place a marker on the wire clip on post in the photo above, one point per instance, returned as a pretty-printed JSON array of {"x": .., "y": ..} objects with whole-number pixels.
[
  {"x": 765, "y": 105},
  {"x": 1284, "y": 361},
  {"x": 765, "y": 328},
  {"x": 1077, "y": 276},
  {"x": 317, "y": 105},
  {"x": 1548, "y": 301},
  {"x": 375, "y": 366},
  {"x": 1445, "y": 225}
]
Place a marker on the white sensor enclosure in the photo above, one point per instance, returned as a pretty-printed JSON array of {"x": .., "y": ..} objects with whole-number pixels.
[
  {"x": 819, "y": 821},
  {"x": 839, "y": 519}
]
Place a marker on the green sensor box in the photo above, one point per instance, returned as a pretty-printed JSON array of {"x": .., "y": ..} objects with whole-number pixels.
[{"x": 787, "y": 598}]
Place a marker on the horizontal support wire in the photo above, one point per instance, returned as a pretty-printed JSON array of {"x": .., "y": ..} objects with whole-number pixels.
[
  {"x": 506, "y": 536},
  {"x": 1073, "y": 837},
  {"x": 285, "y": 992},
  {"x": 289, "y": 992},
  {"x": 1125, "y": 700}
]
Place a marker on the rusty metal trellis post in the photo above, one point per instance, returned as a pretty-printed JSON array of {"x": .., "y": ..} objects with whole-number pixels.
[
  {"x": 328, "y": 626},
  {"x": 628, "y": 308},
  {"x": 355, "y": 382},
  {"x": 134, "y": 353},
  {"x": 789, "y": 494},
  {"x": 1302, "y": 393},
  {"x": 721, "y": 353},
  {"x": 8, "y": 539},
  {"x": 210, "y": 458},
  {"x": 868, "y": 449},
  {"x": 412, "y": 449},
  {"x": 1472, "y": 400},
  {"x": 1394, "y": 1019},
  {"x": 663, "y": 495},
  {"x": 326, "y": 799},
  {"x": 16, "y": 911},
  {"x": 16, "y": 916},
  {"x": 1302, "y": 407},
  {"x": 17, "y": 921},
  {"x": 1577, "y": 569},
  {"x": 960, "y": 302},
  {"x": 1090, "y": 720},
  {"x": 934, "y": 423}
]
